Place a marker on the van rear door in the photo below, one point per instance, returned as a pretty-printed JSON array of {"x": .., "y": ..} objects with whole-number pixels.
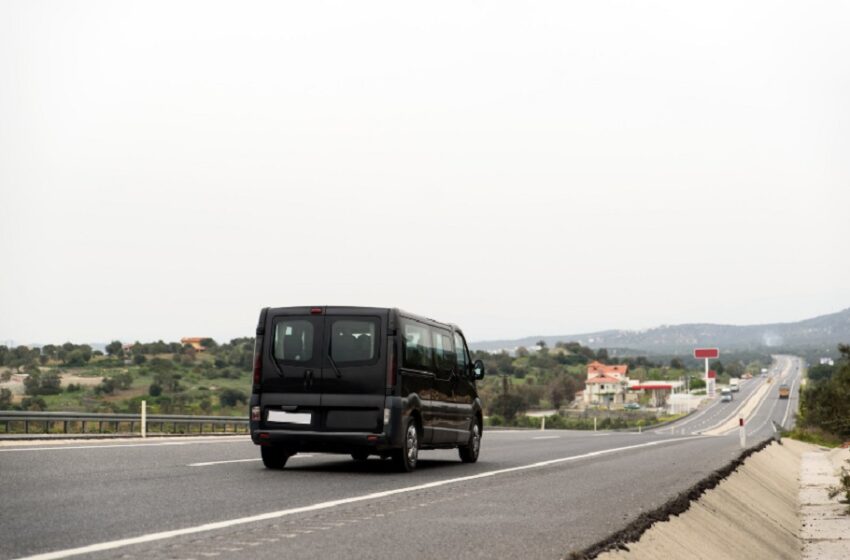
[
  {"x": 354, "y": 376},
  {"x": 292, "y": 372}
]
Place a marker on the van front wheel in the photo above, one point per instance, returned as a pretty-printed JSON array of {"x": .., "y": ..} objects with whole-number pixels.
[
  {"x": 274, "y": 457},
  {"x": 405, "y": 458},
  {"x": 469, "y": 452}
]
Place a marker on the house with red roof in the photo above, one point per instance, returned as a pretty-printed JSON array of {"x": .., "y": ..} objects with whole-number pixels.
[{"x": 606, "y": 384}]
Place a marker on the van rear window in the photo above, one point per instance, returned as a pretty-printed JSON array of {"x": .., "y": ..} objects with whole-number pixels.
[
  {"x": 293, "y": 340},
  {"x": 354, "y": 340}
]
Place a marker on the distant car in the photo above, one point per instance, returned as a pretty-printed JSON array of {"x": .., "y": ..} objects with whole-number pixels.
[
  {"x": 784, "y": 391},
  {"x": 631, "y": 406},
  {"x": 725, "y": 395}
]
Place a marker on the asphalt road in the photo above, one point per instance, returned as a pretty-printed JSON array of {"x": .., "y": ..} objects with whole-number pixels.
[{"x": 532, "y": 494}]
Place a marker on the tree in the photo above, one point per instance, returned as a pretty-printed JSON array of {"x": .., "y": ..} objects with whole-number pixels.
[
  {"x": 826, "y": 404},
  {"x": 821, "y": 372},
  {"x": 155, "y": 390},
  {"x": 717, "y": 366},
  {"x": 676, "y": 363},
  {"x": 735, "y": 369},
  {"x": 232, "y": 397},
  {"x": 106, "y": 387},
  {"x": 51, "y": 384},
  {"x": 521, "y": 352},
  {"x": 32, "y": 383},
  {"x": 139, "y": 359},
  {"x": 33, "y": 404},
  {"x": 561, "y": 390},
  {"x": 602, "y": 354},
  {"x": 541, "y": 344},
  {"x": 76, "y": 358},
  {"x": 115, "y": 348},
  {"x": 507, "y": 405},
  {"x": 5, "y": 399},
  {"x": 208, "y": 343}
]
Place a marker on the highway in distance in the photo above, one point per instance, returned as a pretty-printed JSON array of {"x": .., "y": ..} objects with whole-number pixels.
[{"x": 532, "y": 494}]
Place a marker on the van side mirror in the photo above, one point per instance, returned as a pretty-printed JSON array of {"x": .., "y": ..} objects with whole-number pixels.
[{"x": 478, "y": 369}]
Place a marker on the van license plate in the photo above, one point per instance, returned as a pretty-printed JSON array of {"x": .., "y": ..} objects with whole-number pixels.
[{"x": 290, "y": 417}]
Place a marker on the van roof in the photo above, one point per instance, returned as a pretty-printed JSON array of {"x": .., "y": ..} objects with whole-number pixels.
[{"x": 365, "y": 310}]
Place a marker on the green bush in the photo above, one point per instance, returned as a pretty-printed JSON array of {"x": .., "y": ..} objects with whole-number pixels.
[
  {"x": 232, "y": 397},
  {"x": 825, "y": 404}
]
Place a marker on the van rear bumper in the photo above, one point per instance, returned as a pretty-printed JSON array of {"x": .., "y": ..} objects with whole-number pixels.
[{"x": 329, "y": 442}]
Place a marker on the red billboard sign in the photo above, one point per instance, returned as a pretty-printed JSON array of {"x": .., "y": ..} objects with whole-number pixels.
[
  {"x": 712, "y": 374},
  {"x": 708, "y": 353}
]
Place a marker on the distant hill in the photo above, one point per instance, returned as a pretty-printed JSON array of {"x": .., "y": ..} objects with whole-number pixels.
[{"x": 824, "y": 331}]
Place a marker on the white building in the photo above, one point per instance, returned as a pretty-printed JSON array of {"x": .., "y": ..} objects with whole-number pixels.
[{"x": 606, "y": 385}]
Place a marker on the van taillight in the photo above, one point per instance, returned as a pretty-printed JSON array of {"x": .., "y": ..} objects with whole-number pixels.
[
  {"x": 392, "y": 364},
  {"x": 258, "y": 359}
]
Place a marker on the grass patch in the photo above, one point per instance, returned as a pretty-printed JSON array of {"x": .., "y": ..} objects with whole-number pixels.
[{"x": 815, "y": 436}]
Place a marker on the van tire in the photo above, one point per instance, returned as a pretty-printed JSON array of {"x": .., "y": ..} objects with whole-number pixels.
[
  {"x": 274, "y": 457},
  {"x": 469, "y": 452},
  {"x": 405, "y": 459}
]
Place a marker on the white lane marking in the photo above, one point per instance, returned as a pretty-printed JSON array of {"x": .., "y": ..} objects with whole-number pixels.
[
  {"x": 546, "y": 437},
  {"x": 150, "y": 537},
  {"x": 208, "y": 463},
  {"x": 240, "y": 440}
]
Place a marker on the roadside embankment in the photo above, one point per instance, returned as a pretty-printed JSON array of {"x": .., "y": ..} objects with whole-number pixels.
[
  {"x": 774, "y": 503},
  {"x": 752, "y": 513}
]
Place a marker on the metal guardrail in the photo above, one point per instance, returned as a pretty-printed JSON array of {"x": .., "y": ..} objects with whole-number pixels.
[{"x": 14, "y": 424}]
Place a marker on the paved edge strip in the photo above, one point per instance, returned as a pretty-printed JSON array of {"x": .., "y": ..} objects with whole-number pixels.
[
  {"x": 163, "y": 535},
  {"x": 675, "y": 506}
]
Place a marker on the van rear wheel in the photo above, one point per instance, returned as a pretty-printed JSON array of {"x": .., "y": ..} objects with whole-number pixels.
[
  {"x": 469, "y": 452},
  {"x": 274, "y": 457},
  {"x": 360, "y": 456},
  {"x": 405, "y": 458}
]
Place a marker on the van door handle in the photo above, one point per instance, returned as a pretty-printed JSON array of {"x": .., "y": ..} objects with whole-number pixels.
[{"x": 308, "y": 377}]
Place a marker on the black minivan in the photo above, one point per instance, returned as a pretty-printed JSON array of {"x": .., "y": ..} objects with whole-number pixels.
[{"x": 362, "y": 381}]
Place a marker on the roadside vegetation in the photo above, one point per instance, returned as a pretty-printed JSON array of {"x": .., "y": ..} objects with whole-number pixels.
[
  {"x": 824, "y": 417},
  {"x": 544, "y": 378},
  {"x": 172, "y": 378},
  {"x": 179, "y": 379}
]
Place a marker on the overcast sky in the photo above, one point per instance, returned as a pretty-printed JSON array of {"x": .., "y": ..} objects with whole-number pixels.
[{"x": 169, "y": 168}]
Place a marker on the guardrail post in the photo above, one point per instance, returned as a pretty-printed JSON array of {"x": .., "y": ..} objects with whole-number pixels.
[{"x": 144, "y": 419}]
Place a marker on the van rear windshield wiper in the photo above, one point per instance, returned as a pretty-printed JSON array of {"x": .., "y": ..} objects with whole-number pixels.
[{"x": 333, "y": 364}]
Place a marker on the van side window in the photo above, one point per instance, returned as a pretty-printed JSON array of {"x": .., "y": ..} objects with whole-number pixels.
[
  {"x": 293, "y": 340},
  {"x": 417, "y": 348},
  {"x": 354, "y": 340},
  {"x": 444, "y": 357},
  {"x": 462, "y": 360}
]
